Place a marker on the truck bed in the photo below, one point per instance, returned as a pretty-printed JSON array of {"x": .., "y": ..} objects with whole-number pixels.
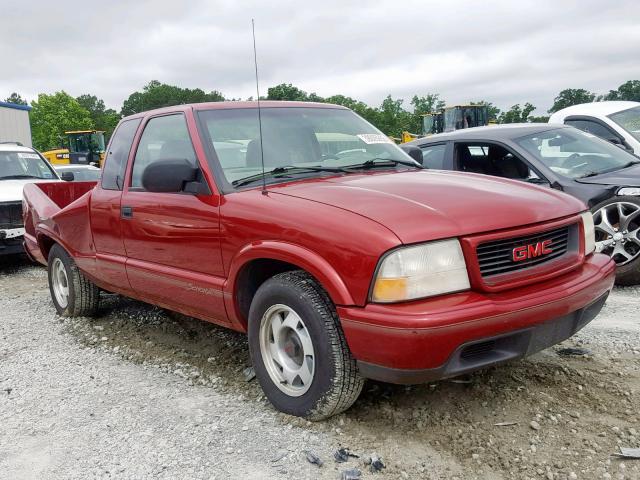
[{"x": 51, "y": 210}]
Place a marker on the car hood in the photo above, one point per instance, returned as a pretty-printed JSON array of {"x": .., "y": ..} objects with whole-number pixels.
[
  {"x": 627, "y": 177},
  {"x": 11, "y": 190},
  {"x": 428, "y": 205}
]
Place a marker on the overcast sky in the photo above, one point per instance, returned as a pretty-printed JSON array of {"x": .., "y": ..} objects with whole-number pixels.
[{"x": 505, "y": 52}]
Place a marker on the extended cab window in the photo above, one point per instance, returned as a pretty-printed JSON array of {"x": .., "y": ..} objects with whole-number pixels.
[
  {"x": 164, "y": 138},
  {"x": 116, "y": 159}
]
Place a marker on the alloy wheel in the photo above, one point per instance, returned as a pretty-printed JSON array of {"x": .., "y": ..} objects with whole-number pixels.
[{"x": 617, "y": 228}]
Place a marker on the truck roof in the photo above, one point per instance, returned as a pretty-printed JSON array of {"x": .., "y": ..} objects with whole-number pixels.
[
  {"x": 490, "y": 132},
  {"x": 237, "y": 105},
  {"x": 14, "y": 147}
]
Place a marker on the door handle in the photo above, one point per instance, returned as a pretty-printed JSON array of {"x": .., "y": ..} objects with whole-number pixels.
[{"x": 126, "y": 212}]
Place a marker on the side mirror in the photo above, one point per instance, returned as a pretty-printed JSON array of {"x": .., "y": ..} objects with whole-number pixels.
[
  {"x": 413, "y": 151},
  {"x": 168, "y": 176},
  {"x": 67, "y": 176}
]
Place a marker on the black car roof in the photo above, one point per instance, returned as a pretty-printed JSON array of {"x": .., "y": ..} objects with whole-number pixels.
[{"x": 491, "y": 132}]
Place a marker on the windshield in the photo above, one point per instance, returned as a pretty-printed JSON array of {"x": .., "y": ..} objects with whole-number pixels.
[
  {"x": 629, "y": 120},
  {"x": 575, "y": 154},
  {"x": 18, "y": 165},
  {"x": 86, "y": 142},
  {"x": 326, "y": 138}
]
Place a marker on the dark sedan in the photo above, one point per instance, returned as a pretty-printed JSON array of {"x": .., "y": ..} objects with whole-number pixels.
[{"x": 604, "y": 176}]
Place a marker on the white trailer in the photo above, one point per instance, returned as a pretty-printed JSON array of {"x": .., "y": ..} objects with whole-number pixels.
[{"x": 14, "y": 123}]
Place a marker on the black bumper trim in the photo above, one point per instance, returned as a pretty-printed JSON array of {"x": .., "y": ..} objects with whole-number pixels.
[{"x": 491, "y": 351}]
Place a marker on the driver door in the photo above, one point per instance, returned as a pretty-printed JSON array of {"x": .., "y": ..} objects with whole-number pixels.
[{"x": 172, "y": 239}]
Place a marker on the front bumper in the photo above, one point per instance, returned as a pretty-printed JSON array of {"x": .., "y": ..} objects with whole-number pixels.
[
  {"x": 11, "y": 241},
  {"x": 449, "y": 335}
]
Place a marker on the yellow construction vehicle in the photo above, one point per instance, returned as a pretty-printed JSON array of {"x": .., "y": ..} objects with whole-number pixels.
[{"x": 84, "y": 147}]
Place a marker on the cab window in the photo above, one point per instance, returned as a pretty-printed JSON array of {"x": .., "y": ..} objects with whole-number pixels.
[{"x": 164, "y": 138}]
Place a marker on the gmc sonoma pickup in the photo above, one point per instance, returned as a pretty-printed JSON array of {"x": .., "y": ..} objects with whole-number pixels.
[{"x": 344, "y": 260}]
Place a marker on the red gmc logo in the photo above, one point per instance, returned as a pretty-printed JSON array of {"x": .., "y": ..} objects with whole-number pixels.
[{"x": 533, "y": 250}]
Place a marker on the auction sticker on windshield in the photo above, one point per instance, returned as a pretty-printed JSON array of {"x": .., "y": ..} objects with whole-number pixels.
[
  {"x": 371, "y": 138},
  {"x": 28, "y": 155}
]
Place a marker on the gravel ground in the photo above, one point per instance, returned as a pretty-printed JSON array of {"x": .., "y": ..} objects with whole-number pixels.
[{"x": 140, "y": 393}]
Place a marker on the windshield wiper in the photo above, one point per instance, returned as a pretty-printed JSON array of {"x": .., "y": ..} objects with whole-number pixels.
[
  {"x": 630, "y": 164},
  {"x": 590, "y": 174},
  {"x": 17, "y": 177},
  {"x": 285, "y": 170},
  {"x": 384, "y": 162}
]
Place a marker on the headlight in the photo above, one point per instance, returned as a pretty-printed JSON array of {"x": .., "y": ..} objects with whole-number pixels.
[
  {"x": 589, "y": 233},
  {"x": 421, "y": 271},
  {"x": 631, "y": 191}
]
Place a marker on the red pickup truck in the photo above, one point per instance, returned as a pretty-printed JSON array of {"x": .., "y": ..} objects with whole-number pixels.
[{"x": 344, "y": 260}]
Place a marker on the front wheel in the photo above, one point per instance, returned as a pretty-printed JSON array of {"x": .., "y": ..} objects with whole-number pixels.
[
  {"x": 298, "y": 349},
  {"x": 72, "y": 293},
  {"x": 617, "y": 224}
]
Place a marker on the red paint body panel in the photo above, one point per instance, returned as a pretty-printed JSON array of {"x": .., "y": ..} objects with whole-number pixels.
[{"x": 186, "y": 252}]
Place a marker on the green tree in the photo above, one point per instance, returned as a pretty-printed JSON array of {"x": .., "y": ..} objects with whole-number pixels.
[
  {"x": 158, "y": 95},
  {"x": 103, "y": 118},
  {"x": 52, "y": 115},
  {"x": 539, "y": 119},
  {"x": 365, "y": 111},
  {"x": 571, "y": 96},
  {"x": 15, "y": 98},
  {"x": 493, "y": 112},
  {"x": 629, "y": 90},
  {"x": 517, "y": 114},
  {"x": 392, "y": 119},
  {"x": 286, "y": 91},
  {"x": 428, "y": 103}
]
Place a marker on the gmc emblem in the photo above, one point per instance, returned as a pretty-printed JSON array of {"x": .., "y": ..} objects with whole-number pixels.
[{"x": 533, "y": 250}]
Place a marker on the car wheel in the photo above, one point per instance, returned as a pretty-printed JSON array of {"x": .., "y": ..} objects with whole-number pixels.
[
  {"x": 298, "y": 349},
  {"x": 617, "y": 223},
  {"x": 72, "y": 293}
]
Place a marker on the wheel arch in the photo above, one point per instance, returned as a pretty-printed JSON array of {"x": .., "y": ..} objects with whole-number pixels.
[{"x": 256, "y": 263}]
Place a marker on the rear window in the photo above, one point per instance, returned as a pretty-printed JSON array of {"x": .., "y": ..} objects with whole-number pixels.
[
  {"x": 116, "y": 159},
  {"x": 629, "y": 120}
]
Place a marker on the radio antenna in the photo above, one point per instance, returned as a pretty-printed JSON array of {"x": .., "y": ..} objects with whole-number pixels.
[{"x": 255, "y": 61}]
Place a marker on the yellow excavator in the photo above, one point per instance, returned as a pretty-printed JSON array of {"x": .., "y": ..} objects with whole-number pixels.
[{"x": 82, "y": 147}]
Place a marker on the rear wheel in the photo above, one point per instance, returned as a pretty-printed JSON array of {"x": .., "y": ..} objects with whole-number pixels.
[
  {"x": 72, "y": 293},
  {"x": 617, "y": 223},
  {"x": 298, "y": 349}
]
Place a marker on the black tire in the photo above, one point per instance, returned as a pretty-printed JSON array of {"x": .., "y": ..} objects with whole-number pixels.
[
  {"x": 629, "y": 273},
  {"x": 336, "y": 382},
  {"x": 83, "y": 296}
]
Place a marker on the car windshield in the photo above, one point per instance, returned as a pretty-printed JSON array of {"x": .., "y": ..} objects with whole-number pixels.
[
  {"x": 296, "y": 140},
  {"x": 19, "y": 165},
  {"x": 629, "y": 120},
  {"x": 575, "y": 154}
]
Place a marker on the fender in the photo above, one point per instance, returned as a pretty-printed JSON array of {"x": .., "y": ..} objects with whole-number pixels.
[{"x": 286, "y": 252}]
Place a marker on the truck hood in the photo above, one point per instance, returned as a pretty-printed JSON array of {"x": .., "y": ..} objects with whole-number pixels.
[
  {"x": 627, "y": 177},
  {"x": 11, "y": 190},
  {"x": 428, "y": 205}
]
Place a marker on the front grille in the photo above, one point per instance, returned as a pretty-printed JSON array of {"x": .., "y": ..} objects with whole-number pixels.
[
  {"x": 495, "y": 258},
  {"x": 11, "y": 215}
]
